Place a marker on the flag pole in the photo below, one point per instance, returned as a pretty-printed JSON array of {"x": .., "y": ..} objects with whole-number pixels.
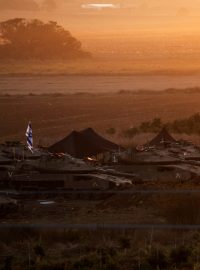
[{"x": 29, "y": 137}]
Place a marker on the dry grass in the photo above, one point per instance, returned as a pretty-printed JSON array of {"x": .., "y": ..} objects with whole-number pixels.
[{"x": 117, "y": 250}]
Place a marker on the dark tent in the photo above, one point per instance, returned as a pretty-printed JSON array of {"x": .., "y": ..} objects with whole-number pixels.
[
  {"x": 162, "y": 137},
  {"x": 78, "y": 145},
  {"x": 90, "y": 134}
]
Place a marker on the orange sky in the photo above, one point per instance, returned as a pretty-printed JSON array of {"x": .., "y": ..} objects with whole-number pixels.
[
  {"x": 129, "y": 27},
  {"x": 128, "y": 16}
]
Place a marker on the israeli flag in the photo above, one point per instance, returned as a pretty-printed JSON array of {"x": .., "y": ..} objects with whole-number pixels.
[{"x": 29, "y": 137}]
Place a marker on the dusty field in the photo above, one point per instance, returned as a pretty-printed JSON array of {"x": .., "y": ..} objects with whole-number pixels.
[
  {"x": 131, "y": 65},
  {"x": 93, "y": 84},
  {"x": 53, "y": 116}
]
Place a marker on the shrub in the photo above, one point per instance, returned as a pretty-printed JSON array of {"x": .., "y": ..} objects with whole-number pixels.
[
  {"x": 39, "y": 251},
  {"x": 130, "y": 133},
  {"x": 124, "y": 243},
  {"x": 111, "y": 131},
  {"x": 180, "y": 255},
  {"x": 157, "y": 258}
]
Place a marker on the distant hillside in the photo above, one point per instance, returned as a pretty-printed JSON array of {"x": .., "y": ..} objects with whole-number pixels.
[{"x": 23, "y": 39}]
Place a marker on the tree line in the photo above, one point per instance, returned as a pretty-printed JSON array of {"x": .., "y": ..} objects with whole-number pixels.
[
  {"x": 189, "y": 126},
  {"x": 33, "y": 39}
]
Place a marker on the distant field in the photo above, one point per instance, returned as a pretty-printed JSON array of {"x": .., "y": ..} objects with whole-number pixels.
[
  {"x": 93, "y": 84},
  {"x": 53, "y": 116},
  {"x": 133, "y": 64}
]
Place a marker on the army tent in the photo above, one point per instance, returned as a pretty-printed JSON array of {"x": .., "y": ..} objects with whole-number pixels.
[
  {"x": 162, "y": 137},
  {"x": 79, "y": 145},
  {"x": 95, "y": 138}
]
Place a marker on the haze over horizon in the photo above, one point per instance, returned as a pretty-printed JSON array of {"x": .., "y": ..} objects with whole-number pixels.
[
  {"x": 118, "y": 17},
  {"x": 155, "y": 32}
]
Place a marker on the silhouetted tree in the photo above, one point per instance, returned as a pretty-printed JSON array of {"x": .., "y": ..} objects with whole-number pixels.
[
  {"x": 145, "y": 127},
  {"x": 111, "y": 131},
  {"x": 33, "y": 39},
  {"x": 130, "y": 133},
  {"x": 156, "y": 124}
]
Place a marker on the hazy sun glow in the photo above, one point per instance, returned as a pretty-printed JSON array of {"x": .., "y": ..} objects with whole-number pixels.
[
  {"x": 95, "y": 22},
  {"x": 100, "y": 6},
  {"x": 116, "y": 16}
]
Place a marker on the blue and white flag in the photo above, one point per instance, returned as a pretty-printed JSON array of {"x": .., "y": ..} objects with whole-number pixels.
[{"x": 29, "y": 137}]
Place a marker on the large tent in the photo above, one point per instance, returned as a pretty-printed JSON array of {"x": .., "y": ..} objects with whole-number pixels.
[
  {"x": 162, "y": 137},
  {"x": 95, "y": 138},
  {"x": 83, "y": 144}
]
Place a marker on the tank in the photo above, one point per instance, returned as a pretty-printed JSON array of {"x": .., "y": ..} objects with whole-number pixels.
[{"x": 60, "y": 163}]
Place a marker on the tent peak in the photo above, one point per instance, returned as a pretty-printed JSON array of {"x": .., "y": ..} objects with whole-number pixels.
[{"x": 162, "y": 137}]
